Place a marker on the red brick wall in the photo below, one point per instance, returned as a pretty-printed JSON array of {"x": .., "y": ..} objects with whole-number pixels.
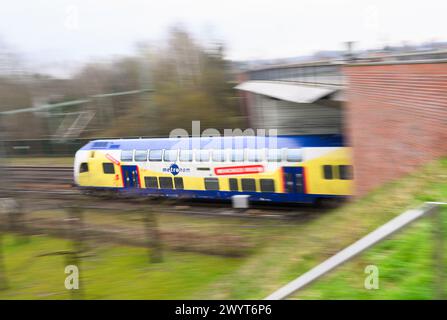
[{"x": 396, "y": 119}]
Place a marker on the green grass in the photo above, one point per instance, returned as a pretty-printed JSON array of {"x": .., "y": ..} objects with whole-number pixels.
[
  {"x": 406, "y": 265},
  {"x": 38, "y": 161},
  {"x": 108, "y": 272},
  {"x": 283, "y": 251}
]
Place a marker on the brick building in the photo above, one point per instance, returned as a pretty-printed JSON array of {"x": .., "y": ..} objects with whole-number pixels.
[
  {"x": 392, "y": 109},
  {"x": 395, "y": 117}
]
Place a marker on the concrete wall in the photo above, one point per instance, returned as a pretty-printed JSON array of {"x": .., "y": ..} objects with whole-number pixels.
[{"x": 396, "y": 118}]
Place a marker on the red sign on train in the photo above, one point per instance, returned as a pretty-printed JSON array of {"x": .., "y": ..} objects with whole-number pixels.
[
  {"x": 108, "y": 156},
  {"x": 239, "y": 170}
]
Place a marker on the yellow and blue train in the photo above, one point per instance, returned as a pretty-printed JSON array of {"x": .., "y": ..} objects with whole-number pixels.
[{"x": 301, "y": 169}]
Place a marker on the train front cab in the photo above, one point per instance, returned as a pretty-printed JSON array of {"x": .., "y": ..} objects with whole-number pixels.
[{"x": 94, "y": 170}]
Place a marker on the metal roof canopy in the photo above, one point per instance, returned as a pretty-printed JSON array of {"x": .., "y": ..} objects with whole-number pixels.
[{"x": 293, "y": 92}]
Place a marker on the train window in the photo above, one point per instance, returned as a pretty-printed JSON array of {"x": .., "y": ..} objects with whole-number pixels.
[
  {"x": 345, "y": 172},
  {"x": 254, "y": 155},
  {"x": 203, "y": 155},
  {"x": 127, "y": 155},
  {"x": 237, "y": 155},
  {"x": 219, "y": 155},
  {"x": 274, "y": 155},
  {"x": 185, "y": 155},
  {"x": 327, "y": 172},
  {"x": 155, "y": 155},
  {"x": 140, "y": 155},
  {"x": 267, "y": 185},
  {"x": 100, "y": 144},
  {"x": 234, "y": 186},
  {"x": 108, "y": 168},
  {"x": 170, "y": 155},
  {"x": 178, "y": 181},
  {"x": 248, "y": 185},
  {"x": 83, "y": 167},
  {"x": 166, "y": 183},
  {"x": 294, "y": 155},
  {"x": 151, "y": 182},
  {"x": 211, "y": 184}
]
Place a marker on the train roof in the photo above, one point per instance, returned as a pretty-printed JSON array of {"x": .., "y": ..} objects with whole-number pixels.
[{"x": 332, "y": 140}]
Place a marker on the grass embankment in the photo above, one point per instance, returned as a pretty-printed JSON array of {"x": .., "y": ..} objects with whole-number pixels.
[
  {"x": 406, "y": 265},
  {"x": 281, "y": 252},
  {"x": 295, "y": 252}
]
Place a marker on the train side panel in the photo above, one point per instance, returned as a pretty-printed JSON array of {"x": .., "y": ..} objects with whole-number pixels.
[
  {"x": 316, "y": 183},
  {"x": 103, "y": 169}
]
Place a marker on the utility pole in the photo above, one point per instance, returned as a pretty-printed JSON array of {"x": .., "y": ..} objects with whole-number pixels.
[
  {"x": 74, "y": 256},
  {"x": 146, "y": 86},
  {"x": 3, "y": 282},
  {"x": 349, "y": 54}
]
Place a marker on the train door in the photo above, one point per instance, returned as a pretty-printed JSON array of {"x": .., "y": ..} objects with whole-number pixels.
[
  {"x": 130, "y": 176},
  {"x": 294, "y": 180}
]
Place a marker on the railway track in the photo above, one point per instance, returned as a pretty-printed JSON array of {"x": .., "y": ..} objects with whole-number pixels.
[
  {"x": 53, "y": 185},
  {"x": 46, "y": 176}
]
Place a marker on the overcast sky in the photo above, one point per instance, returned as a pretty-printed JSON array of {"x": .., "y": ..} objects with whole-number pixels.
[{"x": 60, "y": 32}]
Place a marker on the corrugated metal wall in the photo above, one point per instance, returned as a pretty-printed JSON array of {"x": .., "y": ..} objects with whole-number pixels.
[{"x": 295, "y": 118}]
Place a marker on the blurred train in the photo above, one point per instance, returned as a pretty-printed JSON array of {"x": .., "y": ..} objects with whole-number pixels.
[{"x": 300, "y": 169}]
